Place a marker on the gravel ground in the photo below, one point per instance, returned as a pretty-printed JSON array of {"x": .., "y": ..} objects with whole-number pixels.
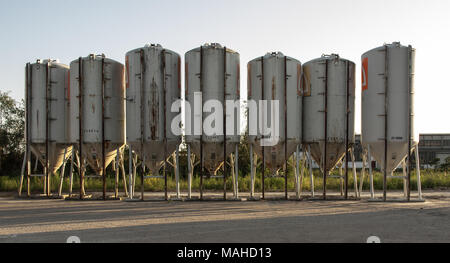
[{"x": 54, "y": 220}]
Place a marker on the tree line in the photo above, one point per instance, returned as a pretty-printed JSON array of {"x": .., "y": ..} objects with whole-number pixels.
[{"x": 12, "y": 142}]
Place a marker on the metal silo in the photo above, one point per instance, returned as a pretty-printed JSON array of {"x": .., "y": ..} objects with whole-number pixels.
[
  {"x": 274, "y": 77},
  {"x": 97, "y": 114},
  {"x": 212, "y": 75},
  {"x": 153, "y": 85},
  {"x": 46, "y": 90},
  {"x": 329, "y": 112},
  {"x": 388, "y": 110}
]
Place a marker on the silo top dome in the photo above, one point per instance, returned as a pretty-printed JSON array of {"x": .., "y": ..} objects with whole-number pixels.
[
  {"x": 332, "y": 57},
  {"x": 392, "y": 45},
  {"x": 277, "y": 54},
  {"x": 94, "y": 57},
  {"x": 212, "y": 46},
  {"x": 274, "y": 54},
  {"x": 152, "y": 45},
  {"x": 47, "y": 60},
  {"x": 51, "y": 62}
]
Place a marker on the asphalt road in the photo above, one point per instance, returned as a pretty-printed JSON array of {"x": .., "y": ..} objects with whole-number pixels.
[{"x": 24, "y": 220}]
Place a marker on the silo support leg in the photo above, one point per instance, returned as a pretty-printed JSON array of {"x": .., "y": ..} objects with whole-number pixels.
[
  {"x": 355, "y": 178},
  {"x": 124, "y": 178},
  {"x": 236, "y": 167},
  {"x": 300, "y": 181},
  {"x": 50, "y": 174},
  {"x": 405, "y": 179},
  {"x": 286, "y": 177},
  {"x": 419, "y": 183},
  {"x": 252, "y": 173},
  {"x": 202, "y": 171},
  {"x": 297, "y": 173},
  {"x": 81, "y": 173},
  {"x": 45, "y": 181},
  {"x": 363, "y": 171},
  {"x": 22, "y": 172},
  {"x": 142, "y": 178},
  {"x": 116, "y": 184},
  {"x": 177, "y": 171},
  {"x": 61, "y": 181},
  {"x": 130, "y": 173},
  {"x": 190, "y": 171},
  {"x": 341, "y": 179},
  {"x": 233, "y": 172},
  {"x": 324, "y": 177},
  {"x": 166, "y": 194},
  {"x": 384, "y": 184},
  {"x": 369, "y": 164},
  {"x": 224, "y": 181},
  {"x": 71, "y": 173},
  {"x": 28, "y": 173},
  {"x": 134, "y": 173},
  {"x": 311, "y": 175},
  {"x": 102, "y": 173}
]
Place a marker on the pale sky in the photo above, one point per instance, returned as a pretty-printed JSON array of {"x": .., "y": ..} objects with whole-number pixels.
[{"x": 300, "y": 29}]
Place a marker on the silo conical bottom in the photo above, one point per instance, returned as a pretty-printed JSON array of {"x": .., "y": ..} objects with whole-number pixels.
[
  {"x": 154, "y": 153},
  {"x": 274, "y": 155},
  {"x": 56, "y": 154},
  {"x": 212, "y": 154},
  {"x": 93, "y": 154},
  {"x": 396, "y": 153},
  {"x": 335, "y": 152}
]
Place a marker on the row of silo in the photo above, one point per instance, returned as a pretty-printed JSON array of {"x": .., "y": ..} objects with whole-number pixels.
[
  {"x": 312, "y": 107},
  {"x": 82, "y": 109},
  {"x": 316, "y": 111}
]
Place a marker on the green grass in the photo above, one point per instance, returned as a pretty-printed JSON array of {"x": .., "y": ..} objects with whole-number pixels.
[{"x": 430, "y": 180}]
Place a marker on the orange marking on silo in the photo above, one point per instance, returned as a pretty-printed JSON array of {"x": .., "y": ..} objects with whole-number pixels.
[{"x": 364, "y": 72}]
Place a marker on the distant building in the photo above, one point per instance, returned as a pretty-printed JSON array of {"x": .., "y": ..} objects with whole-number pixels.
[{"x": 434, "y": 148}]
